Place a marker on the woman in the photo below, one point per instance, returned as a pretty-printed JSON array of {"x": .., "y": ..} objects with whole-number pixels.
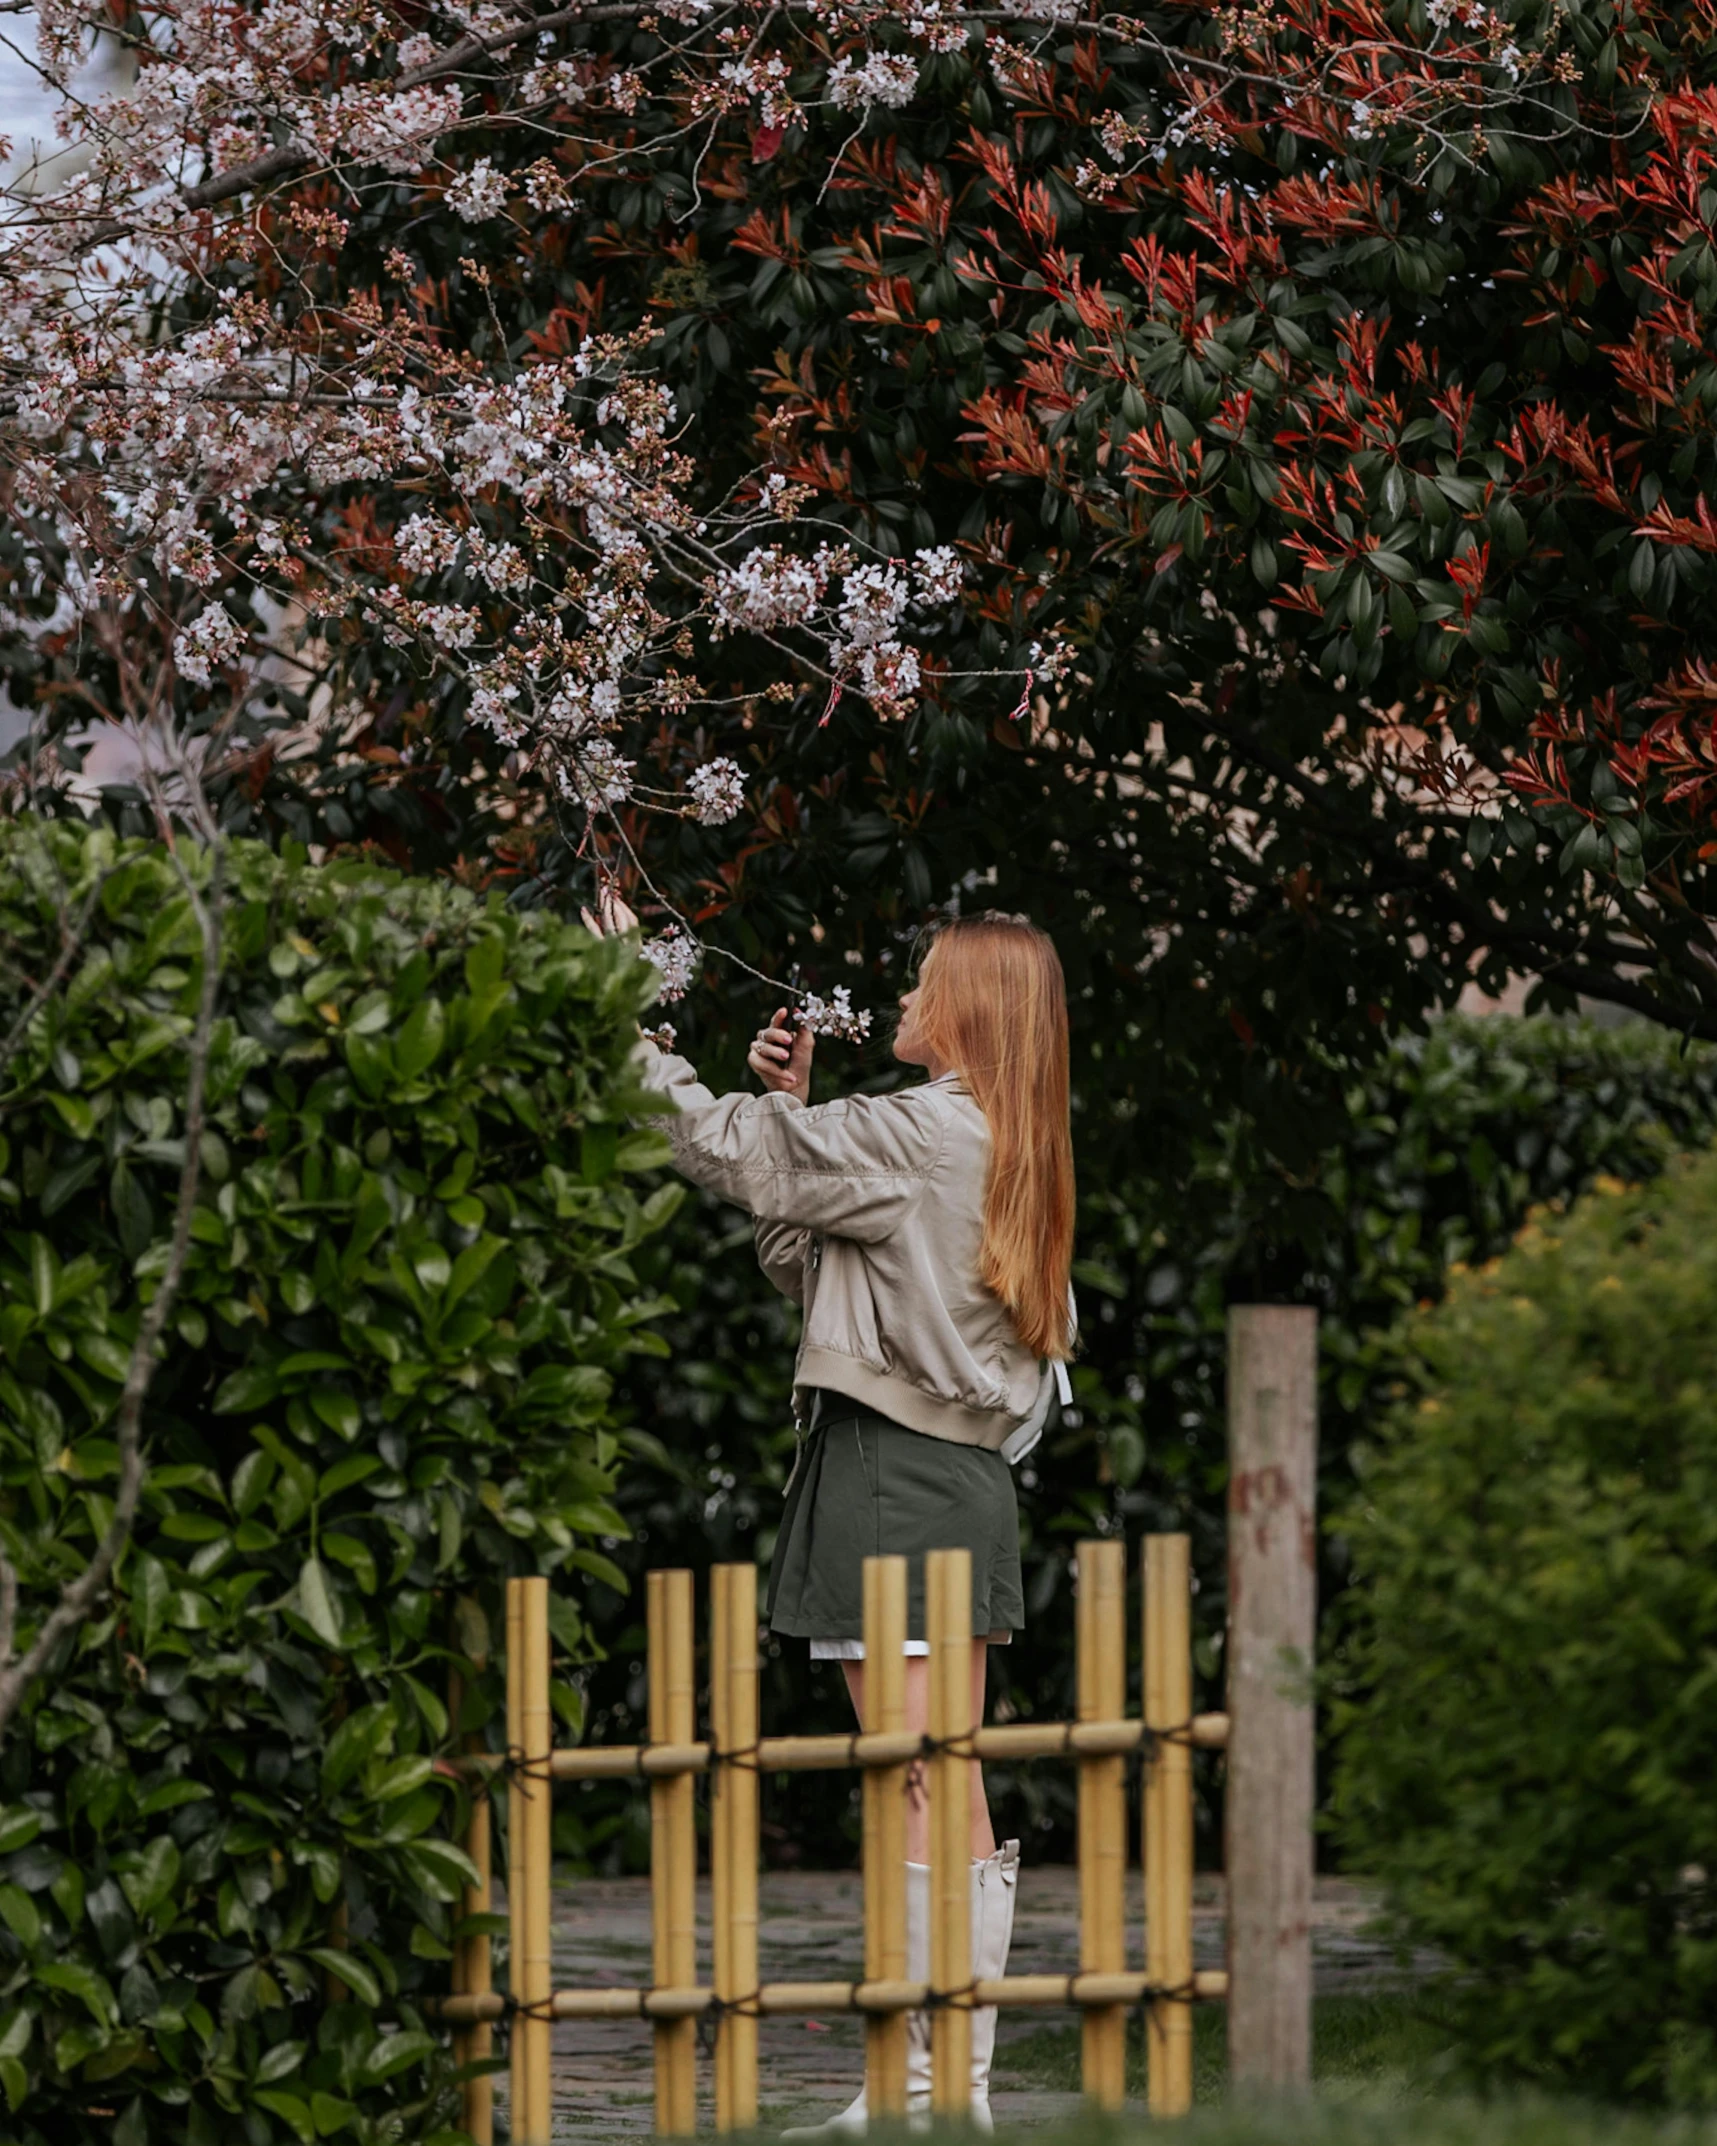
[{"x": 928, "y": 1235}]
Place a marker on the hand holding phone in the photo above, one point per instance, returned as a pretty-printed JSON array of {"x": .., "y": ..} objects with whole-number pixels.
[{"x": 780, "y": 1054}]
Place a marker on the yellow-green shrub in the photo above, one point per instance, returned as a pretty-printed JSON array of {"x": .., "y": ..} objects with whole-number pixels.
[{"x": 1529, "y": 1743}]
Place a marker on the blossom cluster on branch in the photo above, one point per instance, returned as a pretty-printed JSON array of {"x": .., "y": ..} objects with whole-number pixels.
[{"x": 241, "y": 466}]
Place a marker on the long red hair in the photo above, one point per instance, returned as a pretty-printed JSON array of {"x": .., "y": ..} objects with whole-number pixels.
[{"x": 992, "y": 1003}]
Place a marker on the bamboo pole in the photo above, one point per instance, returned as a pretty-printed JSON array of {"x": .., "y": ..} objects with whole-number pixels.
[
  {"x": 519, "y": 2096},
  {"x": 673, "y": 1848},
  {"x": 720, "y": 1838},
  {"x": 1167, "y": 1822},
  {"x": 473, "y": 1968},
  {"x": 948, "y": 1603},
  {"x": 1102, "y": 1685},
  {"x": 885, "y": 1792},
  {"x": 734, "y": 1844},
  {"x": 746, "y": 1820},
  {"x": 534, "y": 2032}
]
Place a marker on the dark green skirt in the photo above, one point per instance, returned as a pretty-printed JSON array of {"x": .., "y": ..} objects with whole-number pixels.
[{"x": 867, "y": 1487}]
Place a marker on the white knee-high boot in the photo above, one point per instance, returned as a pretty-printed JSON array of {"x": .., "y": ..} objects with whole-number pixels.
[
  {"x": 918, "y": 1970},
  {"x": 995, "y": 1882},
  {"x": 854, "y": 2119}
]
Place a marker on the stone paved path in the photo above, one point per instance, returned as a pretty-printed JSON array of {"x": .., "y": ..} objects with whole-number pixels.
[{"x": 811, "y": 1932}]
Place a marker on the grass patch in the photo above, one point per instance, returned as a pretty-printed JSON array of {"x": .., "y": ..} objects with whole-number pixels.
[
  {"x": 1427, "y": 2122},
  {"x": 1386, "y": 2043}
]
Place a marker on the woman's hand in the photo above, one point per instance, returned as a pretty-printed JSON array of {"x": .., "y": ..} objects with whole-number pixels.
[
  {"x": 781, "y": 1057},
  {"x": 613, "y": 919}
]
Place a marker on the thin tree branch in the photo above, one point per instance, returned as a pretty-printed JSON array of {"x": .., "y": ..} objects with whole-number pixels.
[
  {"x": 71, "y": 944},
  {"x": 79, "y": 1595}
]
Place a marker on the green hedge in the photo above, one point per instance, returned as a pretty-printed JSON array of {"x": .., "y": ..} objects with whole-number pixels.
[
  {"x": 390, "y": 1384},
  {"x": 1529, "y": 1746},
  {"x": 1447, "y": 1145}
]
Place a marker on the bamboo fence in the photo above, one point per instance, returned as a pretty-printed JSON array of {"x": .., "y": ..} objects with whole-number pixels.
[{"x": 1099, "y": 1742}]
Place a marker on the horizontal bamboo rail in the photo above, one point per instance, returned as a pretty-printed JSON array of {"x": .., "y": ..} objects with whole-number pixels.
[
  {"x": 795, "y": 1999},
  {"x": 1017, "y": 1740}
]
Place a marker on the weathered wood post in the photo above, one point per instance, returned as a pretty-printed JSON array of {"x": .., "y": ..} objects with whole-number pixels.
[{"x": 1272, "y": 1613}]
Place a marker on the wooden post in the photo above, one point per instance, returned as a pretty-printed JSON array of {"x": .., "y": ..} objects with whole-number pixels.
[
  {"x": 948, "y": 1615},
  {"x": 734, "y": 1839},
  {"x": 1102, "y": 1680},
  {"x": 673, "y": 1847},
  {"x": 1167, "y": 1821},
  {"x": 1272, "y": 1611},
  {"x": 885, "y": 1790},
  {"x": 530, "y": 1876},
  {"x": 473, "y": 1967}
]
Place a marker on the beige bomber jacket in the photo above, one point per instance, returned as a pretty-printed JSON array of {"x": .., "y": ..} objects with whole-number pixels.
[{"x": 869, "y": 1213}]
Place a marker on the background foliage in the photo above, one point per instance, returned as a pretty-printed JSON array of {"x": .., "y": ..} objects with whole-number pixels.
[
  {"x": 1446, "y": 1147},
  {"x": 1449, "y": 426},
  {"x": 1529, "y": 1740},
  {"x": 390, "y": 1385}
]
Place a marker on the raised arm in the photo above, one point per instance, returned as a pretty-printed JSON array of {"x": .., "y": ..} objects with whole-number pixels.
[{"x": 851, "y": 1168}]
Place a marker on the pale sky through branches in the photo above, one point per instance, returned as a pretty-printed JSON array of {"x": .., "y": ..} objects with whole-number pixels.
[
  {"x": 25, "y": 107},
  {"x": 25, "y": 111}
]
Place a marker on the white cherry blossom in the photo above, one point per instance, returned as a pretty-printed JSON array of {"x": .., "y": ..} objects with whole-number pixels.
[{"x": 717, "y": 790}]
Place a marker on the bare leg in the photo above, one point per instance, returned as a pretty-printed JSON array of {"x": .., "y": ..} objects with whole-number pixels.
[{"x": 918, "y": 1721}]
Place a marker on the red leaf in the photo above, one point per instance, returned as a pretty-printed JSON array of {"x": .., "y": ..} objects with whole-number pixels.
[{"x": 765, "y": 142}]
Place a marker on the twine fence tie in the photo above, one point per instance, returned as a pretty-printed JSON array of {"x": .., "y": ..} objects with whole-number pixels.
[{"x": 724, "y": 2008}]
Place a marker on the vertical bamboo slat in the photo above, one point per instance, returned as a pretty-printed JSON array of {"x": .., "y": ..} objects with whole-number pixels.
[
  {"x": 473, "y": 1968},
  {"x": 948, "y": 1606},
  {"x": 720, "y": 1831},
  {"x": 673, "y": 1848},
  {"x": 885, "y": 1790},
  {"x": 535, "y": 1984},
  {"x": 734, "y": 1841},
  {"x": 745, "y": 1818},
  {"x": 519, "y": 2096},
  {"x": 1167, "y": 1825},
  {"x": 1102, "y": 1680}
]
